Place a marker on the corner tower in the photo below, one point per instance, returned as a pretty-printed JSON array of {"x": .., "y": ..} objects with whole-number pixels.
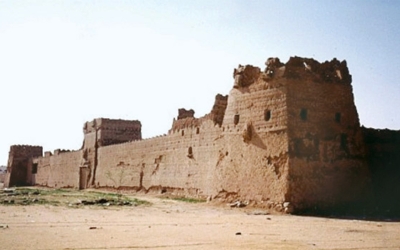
[{"x": 293, "y": 135}]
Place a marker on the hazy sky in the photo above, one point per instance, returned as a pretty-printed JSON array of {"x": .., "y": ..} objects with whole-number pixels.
[{"x": 66, "y": 62}]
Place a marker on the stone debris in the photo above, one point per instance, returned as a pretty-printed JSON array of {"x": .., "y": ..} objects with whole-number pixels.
[
  {"x": 9, "y": 190},
  {"x": 258, "y": 213},
  {"x": 238, "y": 204},
  {"x": 4, "y": 226},
  {"x": 288, "y": 207},
  {"x": 104, "y": 202}
]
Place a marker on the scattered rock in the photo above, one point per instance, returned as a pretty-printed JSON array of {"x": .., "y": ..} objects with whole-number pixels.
[
  {"x": 288, "y": 207},
  {"x": 105, "y": 202},
  {"x": 237, "y": 204},
  {"x": 3, "y": 226},
  {"x": 238, "y": 233},
  {"x": 258, "y": 213},
  {"x": 101, "y": 201},
  {"x": 85, "y": 202},
  {"x": 9, "y": 190}
]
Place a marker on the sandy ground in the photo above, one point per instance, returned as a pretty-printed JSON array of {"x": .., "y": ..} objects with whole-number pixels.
[{"x": 169, "y": 224}]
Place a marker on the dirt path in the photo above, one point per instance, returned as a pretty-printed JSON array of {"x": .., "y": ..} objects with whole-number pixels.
[{"x": 168, "y": 224}]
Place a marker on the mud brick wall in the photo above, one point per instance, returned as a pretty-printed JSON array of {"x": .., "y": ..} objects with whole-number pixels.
[
  {"x": 255, "y": 142},
  {"x": 174, "y": 161},
  {"x": 58, "y": 170}
]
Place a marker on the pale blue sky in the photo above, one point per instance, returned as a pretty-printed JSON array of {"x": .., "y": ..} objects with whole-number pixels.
[{"x": 66, "y": 62}]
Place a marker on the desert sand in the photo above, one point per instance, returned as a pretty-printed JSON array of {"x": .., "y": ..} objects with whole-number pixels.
[{"x": 170, "y": 224}]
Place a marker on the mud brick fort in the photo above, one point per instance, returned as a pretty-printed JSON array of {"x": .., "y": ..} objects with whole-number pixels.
[{"x": 287, "y": 137}]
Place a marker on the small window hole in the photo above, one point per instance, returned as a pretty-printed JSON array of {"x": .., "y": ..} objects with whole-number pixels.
[
  {"x": 236, "y": 119},
  {"x": 267, "y": 115},
  {"x": 338, "y": 117},
  {"x": 303, "y": 114}
]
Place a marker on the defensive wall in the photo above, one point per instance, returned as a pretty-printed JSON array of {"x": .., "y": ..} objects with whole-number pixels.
[{"x": 286, "y": 137}]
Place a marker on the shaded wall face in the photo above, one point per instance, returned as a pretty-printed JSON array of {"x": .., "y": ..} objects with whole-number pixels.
[
  {"x": 326, "y": 147},
  {"x": 383, "y": 156},
  {"x": 19, "y": 165}
]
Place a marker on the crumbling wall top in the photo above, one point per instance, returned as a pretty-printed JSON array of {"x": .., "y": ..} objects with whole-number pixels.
[
  {"x": 333, "y": 71},
  {"x": 184, "y": 113},
  {"x": 245, "y": 75}
]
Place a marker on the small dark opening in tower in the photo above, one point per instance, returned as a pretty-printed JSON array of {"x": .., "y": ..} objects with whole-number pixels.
[
  {"x": 338, "y": 117},
  {"x": 343, "y": 142},
  {"x": 34, "y": 168},
  {"x": 267, "y": 115},
  {"x": 197, "y": 131},
  {"x": 236, "y": 119},
  {"x": 303, "y": 114},
  {"x": 190, "y": 152},
  {"x": 183, "y": 132}
]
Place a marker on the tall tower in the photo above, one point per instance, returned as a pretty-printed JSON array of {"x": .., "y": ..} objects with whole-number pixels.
[{"x": 103, "y": 132}]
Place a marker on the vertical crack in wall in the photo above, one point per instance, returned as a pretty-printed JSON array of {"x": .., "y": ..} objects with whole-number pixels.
[
  {"x": 96, "y": 147},
  {"x": 141, "y": 176}
]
